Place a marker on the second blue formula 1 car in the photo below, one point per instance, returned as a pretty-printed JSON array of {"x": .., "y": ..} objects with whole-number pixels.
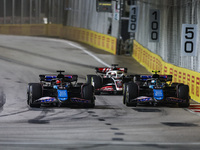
[
  {"x": 155, "y": 89},
  {"x": 60, "y": 90}
]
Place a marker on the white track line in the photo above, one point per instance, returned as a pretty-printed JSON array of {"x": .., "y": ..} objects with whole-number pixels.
[
  {"x": 83, "y": 49},
  {"x": 72, "y": 142}
]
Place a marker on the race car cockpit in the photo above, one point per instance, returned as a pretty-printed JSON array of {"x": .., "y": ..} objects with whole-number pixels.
[
  {"x": 151, "y": 83},
  {"x": 114, "y": 74}
]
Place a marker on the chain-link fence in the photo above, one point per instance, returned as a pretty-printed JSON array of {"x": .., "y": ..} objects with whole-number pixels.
[{"x": 31, "y": 11}]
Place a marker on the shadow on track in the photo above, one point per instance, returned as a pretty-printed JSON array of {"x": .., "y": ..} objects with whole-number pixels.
[{"x": 2, "y": 98}]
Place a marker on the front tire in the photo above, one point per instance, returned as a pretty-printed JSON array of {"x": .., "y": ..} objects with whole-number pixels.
[
  {"x": 124, "y": 92},
  {"x": 34, "y": 92},
  {"x": 88, "y": 94},
  {"x": 183, "y": 93},
  {"x": 131, "y": 93},
  {"x": 97, "y": 83}
]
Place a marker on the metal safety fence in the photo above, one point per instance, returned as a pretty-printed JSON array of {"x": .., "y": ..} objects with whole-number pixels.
[
  {"x": 83, "y": 14},
  {"x": 31, "y": 11}
]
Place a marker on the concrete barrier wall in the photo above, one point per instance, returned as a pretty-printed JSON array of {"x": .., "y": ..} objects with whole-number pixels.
[
  {"x": 33, "y": 30},
  {"x": 95, "y": 39},
  {"x": 152, "y": 61}
]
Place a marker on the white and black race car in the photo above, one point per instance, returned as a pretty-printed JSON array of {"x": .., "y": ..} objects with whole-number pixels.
[{"x": 109, "y": 79}]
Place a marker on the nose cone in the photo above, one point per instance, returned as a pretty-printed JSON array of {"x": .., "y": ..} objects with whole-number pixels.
[{"x": 158, "y": 94}]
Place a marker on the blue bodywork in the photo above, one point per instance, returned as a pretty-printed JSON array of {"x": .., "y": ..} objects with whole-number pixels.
[
  {"x": 146, "y": 77},
  {"x": 156, "y": 90},
  {"x": 156, "y": 86},
  {"x": 49, "y": 78},
  {"x": 59, "y": 90},
  {"x": 62, "y": 95},
  {"x": 158, "y": 94}
]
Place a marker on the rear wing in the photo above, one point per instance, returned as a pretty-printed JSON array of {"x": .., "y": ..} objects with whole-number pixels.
[
  {"x": 143, "y": 78},
  {"x": 106, "y": 69},
  {"x": 67, "y": 78}
]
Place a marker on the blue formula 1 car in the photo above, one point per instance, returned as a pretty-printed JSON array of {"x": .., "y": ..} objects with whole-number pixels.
[
  {"x": 60, "y": 90},
  {"x": 155, "y": 89}
]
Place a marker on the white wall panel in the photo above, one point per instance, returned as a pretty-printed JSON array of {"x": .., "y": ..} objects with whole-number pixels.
[
  {"x": 174, "y": 13},
  {"x": 82, "y": 13}
]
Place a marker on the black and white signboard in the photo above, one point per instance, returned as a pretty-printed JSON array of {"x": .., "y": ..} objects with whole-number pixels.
[
  {"x": 189, "y": 40},
  {"x": 154, "y": 25},
  {"x": 133, "y": 18}
]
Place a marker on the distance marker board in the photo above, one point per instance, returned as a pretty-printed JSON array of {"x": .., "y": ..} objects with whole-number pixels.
[{"x": 189, "y": 40}]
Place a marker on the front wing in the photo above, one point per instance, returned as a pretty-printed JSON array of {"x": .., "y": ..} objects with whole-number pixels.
[
  {"x": 167, "y": 100},
  {"x": 72, "y": 100},
  {"x": 109, "y": 88}
]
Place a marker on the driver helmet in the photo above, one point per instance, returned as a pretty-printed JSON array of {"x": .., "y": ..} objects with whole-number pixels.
[
  {"x": 153, "y": 82},
  {"x": 58, "y": 81},
  {"x": 113, "y": 74}
]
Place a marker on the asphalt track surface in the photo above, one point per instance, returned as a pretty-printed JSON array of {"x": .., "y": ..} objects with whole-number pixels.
[{"x": 110, "y": 125}]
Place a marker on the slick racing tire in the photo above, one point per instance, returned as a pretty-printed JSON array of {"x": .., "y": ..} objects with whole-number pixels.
[
  {"x": 136, "y": 79},
  {"x": 174, "y": 84},
  {"x": 124, "y": 92},
  {"x": 89, "y": 79},
  {"x": 97, "y": 83},
  {"x": 183, "y": 93},
  {"x": 34, "y": 92},
  {"x": 131, "y": 93},
  {"x": 88, "y": 94}
]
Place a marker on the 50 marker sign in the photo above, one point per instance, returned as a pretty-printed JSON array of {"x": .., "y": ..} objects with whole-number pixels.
[
  {"x": 189, "y": 40},
  {"x": 133, "y": 18},
  {"x": 154, "y": 25}
]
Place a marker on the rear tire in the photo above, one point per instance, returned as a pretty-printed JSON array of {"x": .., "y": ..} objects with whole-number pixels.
[
  {"x": 88, "y": 94},
  {"x": 124, "y": 92},
  {"x": 89, "y": 79},
  {"x": 131, "y": 93},
  {"x": 34, "y": 92},
  {"x": 97, "y": 83},
  {"x": 174, "y": 84}
]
